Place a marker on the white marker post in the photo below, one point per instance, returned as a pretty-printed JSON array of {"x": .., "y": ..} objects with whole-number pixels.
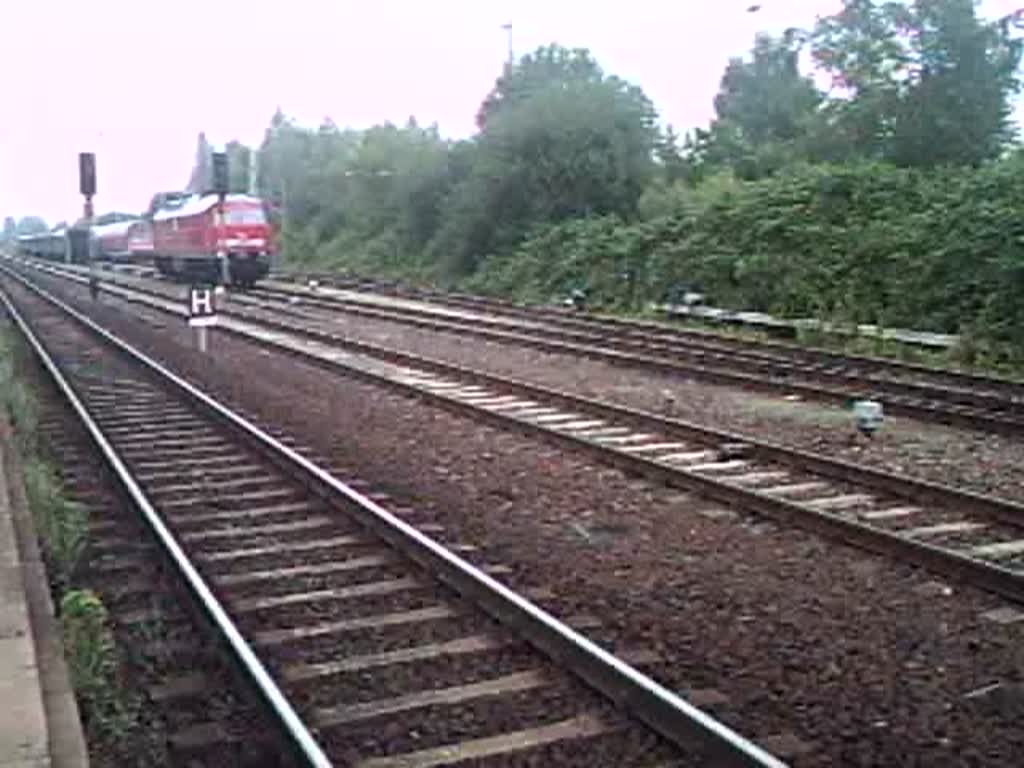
[{"x": 202, "y": 313}]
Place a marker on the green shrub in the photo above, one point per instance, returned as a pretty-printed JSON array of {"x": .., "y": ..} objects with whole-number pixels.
[
  {"x": 860, "y": 243},
  {"x": 92, "y": 662},
  {"x": 62, "y": 524}
]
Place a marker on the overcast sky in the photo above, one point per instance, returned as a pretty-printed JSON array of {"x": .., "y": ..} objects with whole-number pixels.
[{"x": 135, "y": 81}]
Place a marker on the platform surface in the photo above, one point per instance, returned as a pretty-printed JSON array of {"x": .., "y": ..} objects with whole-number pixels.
[{"x": 39, "y": 725}]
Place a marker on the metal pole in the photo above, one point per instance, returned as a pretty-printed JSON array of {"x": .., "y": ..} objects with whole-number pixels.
[
  {"x": 87, "y": 216},
  {"x": 225, "y": 272},
  {"x": 511, "y": 54},
  {"x": 254, "y": 168},
  {"x": 202, "y": 342}
]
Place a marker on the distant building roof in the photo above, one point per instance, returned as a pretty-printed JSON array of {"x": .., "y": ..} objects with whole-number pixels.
[{"x": 112, "y": 230}]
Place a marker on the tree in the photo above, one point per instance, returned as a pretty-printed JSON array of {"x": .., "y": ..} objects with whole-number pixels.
[
  {"x": 30, "y": 225},
  {"x": 673, "y": 163},
  {"x": 764, "y": 111},
  {"x": 239, "y": 163},
  {"x": 767, "y": 99},
  {"x": 921, "y": 84},
  {"x": 200, "y": 181},
  {"x": 548, "y": 66},
  {"x": 558, "y": 139}
]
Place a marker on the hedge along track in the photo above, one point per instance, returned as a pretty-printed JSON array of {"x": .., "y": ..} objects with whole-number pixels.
[
  {"x": 943, "y": 380},
  {"x": 440, "y": 662},
  {"x": 970, "y": 537},
  {"x": 973, "y": 402}
]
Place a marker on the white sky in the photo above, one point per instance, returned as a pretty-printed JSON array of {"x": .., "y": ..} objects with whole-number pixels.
[{"x": 135, "y": 81}]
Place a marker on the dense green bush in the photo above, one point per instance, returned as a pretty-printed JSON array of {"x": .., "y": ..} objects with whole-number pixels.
[{"x": 940, "y": 250}]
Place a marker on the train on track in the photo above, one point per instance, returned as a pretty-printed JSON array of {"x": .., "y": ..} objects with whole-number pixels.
[{"x": 181, "y": 234}]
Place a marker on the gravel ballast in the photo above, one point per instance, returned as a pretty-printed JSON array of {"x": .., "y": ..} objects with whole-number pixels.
[
  {"x": 853, "y": 659},
  {"x": 978, "y": 461}
]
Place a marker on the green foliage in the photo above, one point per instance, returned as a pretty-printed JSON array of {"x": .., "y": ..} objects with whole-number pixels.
[
  {"x": 349, "y": 198},
  {"x": 765, "y": 108},
  {"x": 866, "y": 243},
  {"x": 886, "y": 200},
  {"x": 239, "y": 161},
  {"x": 925, "y": 83},
  {"x": 916, "y": 84},
  {"x": 92, "y": 661},
  {"x": 62, "y": 524},
  {"x": 15, "y": 397},
  {"x": 559, "y": 139}
]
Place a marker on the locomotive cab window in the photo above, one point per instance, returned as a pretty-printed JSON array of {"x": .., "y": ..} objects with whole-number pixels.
[{"x": 245, "y": 216}]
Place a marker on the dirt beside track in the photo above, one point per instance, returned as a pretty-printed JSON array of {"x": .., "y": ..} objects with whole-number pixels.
[{"x": 860, "y": 660}]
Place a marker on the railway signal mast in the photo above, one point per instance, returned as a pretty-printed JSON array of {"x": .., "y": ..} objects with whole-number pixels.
[
  {"x": 220, "y": 187},
  {"x": 87, "y": 186}
]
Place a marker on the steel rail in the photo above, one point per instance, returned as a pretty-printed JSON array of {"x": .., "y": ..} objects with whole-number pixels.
[
  {"x": 952, "y": 414},
  {"x": 661, "y": 709},
  {"x": 898, "y": 485},
  {"x": 774, "y": 378},
  {"x": 484, "y": 303},
  {"x": 289, "y": 722},
  {"x": 647, "y": 345},
  {"x": 907, "y": 487},
  {"x": 993, "y": 578}
]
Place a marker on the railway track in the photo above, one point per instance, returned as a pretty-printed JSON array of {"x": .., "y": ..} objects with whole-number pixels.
[
  {"x": 210, "y": 725},
  {"x": 862, "y": 363},
  {"x": 917, "y": 391},
  {"x": 369, "y": 643},
  {"x": 974, "y": 538}
]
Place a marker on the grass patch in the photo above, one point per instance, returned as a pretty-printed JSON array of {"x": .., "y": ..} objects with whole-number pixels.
[
  {"x": 92, "y": 661},
  {"x": 62, "y": 524},
  {"x": 15, "y": 397},
  {"x": 114, "y": 718}
]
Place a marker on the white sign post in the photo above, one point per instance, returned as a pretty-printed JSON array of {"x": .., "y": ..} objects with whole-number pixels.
[{"x": 202, "y": 313}]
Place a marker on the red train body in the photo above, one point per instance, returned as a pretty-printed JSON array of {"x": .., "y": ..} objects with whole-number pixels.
[
  {"x": 111, "y": 240},
  {"x": 187, "y": 239}
]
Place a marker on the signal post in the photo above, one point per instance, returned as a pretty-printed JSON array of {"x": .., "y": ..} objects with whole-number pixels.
[
  {"x": 202, "y": 313},
  {"x": 87, "y": 186},
  {"x": 220, "y": 187}
]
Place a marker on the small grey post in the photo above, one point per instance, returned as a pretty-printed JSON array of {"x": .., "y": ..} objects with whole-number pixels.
[
  {"x": 202, "y": 313},
  {"x": 220, "y": 187}
]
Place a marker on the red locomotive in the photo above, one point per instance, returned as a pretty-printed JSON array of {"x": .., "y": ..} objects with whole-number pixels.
[
  {"x": 186, "y": 238},
  {"x": 185, "y": 235}
]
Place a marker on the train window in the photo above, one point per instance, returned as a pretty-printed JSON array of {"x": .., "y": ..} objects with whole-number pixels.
[{"x": 244, "y": 216}]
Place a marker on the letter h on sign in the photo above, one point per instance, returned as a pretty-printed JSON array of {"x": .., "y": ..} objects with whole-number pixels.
[{"x": 201, "y": 309}]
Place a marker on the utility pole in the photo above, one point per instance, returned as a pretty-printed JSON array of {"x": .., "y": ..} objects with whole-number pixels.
[
  {"x": 254, "y": 159},
  {"x": 87, "y": 186},
  {"x": 220, "y": 187},
  {"x": 511, "y": 53}
]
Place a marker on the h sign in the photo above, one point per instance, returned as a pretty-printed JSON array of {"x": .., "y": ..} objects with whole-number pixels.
[{"x": 201, "y": 308}]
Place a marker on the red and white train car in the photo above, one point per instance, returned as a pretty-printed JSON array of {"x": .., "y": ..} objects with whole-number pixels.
[
  {"x": 189, "y": 240},
  {"x": 111, "y": 240}
]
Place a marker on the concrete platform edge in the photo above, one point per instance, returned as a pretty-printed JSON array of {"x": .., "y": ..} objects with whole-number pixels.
[{"x": 66, "y": 741}]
